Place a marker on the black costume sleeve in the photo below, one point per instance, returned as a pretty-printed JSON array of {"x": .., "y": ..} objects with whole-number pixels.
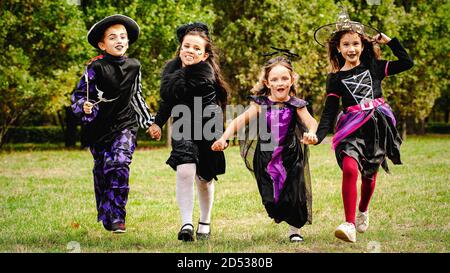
[
  {"x": 330, "y": 110},
  {"x": 403, "y": 63},
  {"x": 328, "y": 117},
  {"x": 163, "y": 113},
  {"x": 172, "y": 80},
  {"x": 173, "y": 86}
]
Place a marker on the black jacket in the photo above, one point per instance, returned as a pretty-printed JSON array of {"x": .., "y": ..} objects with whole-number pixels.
[
  {"x": 180, "y": 88},
  {"x": 184, "y": 85}
]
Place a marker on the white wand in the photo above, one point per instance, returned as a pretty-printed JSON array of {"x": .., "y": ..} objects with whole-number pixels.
[{"x": 86, "y": 78}]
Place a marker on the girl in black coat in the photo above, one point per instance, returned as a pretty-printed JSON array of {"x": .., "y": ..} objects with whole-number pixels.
[{"x": 194, "y": 93}]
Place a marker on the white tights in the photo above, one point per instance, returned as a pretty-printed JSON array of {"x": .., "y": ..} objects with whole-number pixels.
[{"x": 186, "y": 174}]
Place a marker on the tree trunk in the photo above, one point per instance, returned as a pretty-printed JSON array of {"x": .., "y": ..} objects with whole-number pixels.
[
  {"x": 3, "y": 132},
  {"x": 5, "y": 127},
  {"x": 60, "y": 120},
  {"x": 422, "y": 124},
  {"x": 403, "y": 129}
]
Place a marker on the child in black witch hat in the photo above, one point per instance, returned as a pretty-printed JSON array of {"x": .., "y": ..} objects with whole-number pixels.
[
  {"x": 192, "y": 84},
  {"x": 109, "y": 101},
  {"x": 277, "y": 154},
  {"x": 365, "y": 134}
]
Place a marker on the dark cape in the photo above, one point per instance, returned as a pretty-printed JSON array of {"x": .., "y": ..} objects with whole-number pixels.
[{"x": 282, "y": 172}]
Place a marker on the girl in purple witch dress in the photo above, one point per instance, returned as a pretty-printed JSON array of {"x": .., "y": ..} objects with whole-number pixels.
[
  {"x": 109, "y": 101},
  {"x": 365, "y": 134},
  {"x": 278, "y": 156}
]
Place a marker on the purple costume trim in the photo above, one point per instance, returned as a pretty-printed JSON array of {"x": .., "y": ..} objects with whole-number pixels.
[
  {"x": 352, "y": 121},
  {"x": 281, "y": 118},
  {"x": 387, "y": 111}
]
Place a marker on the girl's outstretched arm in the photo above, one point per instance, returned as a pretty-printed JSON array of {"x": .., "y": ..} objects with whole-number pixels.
[
  {"x": 236, "y": 125},
  {"x": 310, "y": 123},
  {"x": 404, "y": 61}
]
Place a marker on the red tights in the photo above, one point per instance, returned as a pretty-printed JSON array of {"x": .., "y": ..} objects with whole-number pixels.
[{"x": 349, "y": 188}]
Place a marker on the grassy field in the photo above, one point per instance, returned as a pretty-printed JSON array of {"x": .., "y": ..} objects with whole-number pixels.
[{"x": 47, "y": 205}]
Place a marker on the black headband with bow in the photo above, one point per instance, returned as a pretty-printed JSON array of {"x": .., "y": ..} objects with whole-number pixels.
[
  {"x": 184, "y": 29},
  {"x": 286, "y": 52}
]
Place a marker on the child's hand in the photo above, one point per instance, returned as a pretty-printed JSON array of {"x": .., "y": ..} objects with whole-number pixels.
[
  {"x": 220, "y": 145},
  {"x": 87, "y": 107},
  {"x": 309, "y": 138},
  {"x": 381, "y": 39},
  {"x": 154, "y": 131}
]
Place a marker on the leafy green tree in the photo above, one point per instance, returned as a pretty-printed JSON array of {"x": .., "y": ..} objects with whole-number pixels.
[
  {"x": 17, "y": 88},
  {"x": 45, "y": 47},
  {"x": 42, "y": 44}
]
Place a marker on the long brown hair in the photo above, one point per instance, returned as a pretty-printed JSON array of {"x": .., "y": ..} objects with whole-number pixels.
[
  {"x": 223, "y": 87},
  {"x": 370, "y": 52},
  {"x": 261, "y": 89}
]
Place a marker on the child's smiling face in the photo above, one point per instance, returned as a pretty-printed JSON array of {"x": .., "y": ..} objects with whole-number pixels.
[
  {"x": 192, "y": 50},
  {"x": 279, "y": 81},
  {"x": 115, "y": 40},
  {"x": 351, "y": 47}
]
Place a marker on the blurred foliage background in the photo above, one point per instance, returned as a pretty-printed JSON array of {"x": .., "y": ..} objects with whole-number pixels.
[{"x": 45, "y": 49}]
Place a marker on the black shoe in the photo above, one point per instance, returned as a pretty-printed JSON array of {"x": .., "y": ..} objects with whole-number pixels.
[
  {"x": 107, "y": 227},
  {"x": 118, "y": 228},
  {"x": 296, "y": 238},
  {"x": 186, "y": 235},
  {"x": 203, "y": 236}
]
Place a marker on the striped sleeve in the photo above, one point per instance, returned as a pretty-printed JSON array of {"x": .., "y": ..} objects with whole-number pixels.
[{"x": 143, "y": 116}]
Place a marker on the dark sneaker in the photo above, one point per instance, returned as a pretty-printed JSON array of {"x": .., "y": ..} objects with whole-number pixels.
[
  {"x": 107, "y": 227},
  {"x": 118, "y": 228}
]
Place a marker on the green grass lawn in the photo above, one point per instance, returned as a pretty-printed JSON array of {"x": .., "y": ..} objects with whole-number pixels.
[{"x": 47, "y": 202}]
